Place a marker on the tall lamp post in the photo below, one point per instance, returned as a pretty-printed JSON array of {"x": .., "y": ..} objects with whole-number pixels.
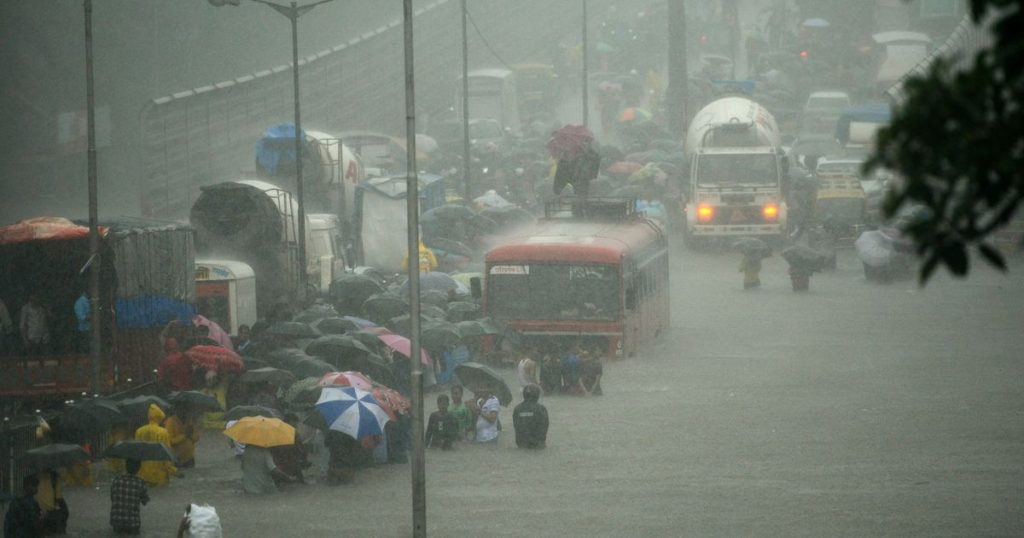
[
  {"x": 293, "y": 11},
  {"x": 94, "y": 236},
  {"x": 586, "y": 105},
  {"x": 419, "y": 482},
  {"x": 465, "y": 105}
]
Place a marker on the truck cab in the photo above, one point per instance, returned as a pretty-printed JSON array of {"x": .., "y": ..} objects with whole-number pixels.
[{"x": 226, "y": 293}]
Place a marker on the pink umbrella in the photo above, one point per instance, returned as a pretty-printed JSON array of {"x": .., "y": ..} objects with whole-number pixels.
[
  {"x": 349, "y": 379},
  {"x": 569, "y": 142},
  {"x": 402, "y": 345},
  {"x": 216, "y": 333}
]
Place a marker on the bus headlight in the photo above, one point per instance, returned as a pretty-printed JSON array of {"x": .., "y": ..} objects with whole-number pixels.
[
  {"x": 770, "y": 211},
  {"x": 705, "y": 213}
]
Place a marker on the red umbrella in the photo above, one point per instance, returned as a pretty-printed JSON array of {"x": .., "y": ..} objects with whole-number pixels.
[
  {"x": 569, "y": 142},
  {"x": 391, "y": 400},
  {"x": 402, "y": 345},
  {"x": 350, "y": 379},
  {"x": 215, "y": 358}
]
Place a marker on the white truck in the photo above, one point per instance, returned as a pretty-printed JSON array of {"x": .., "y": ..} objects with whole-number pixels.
[
  {"x": 737, "y": 169},
  {"x": 256, "y": 223}
]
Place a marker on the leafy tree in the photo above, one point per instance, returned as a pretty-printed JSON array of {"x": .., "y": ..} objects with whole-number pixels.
[{"x": 958, "y": 142}]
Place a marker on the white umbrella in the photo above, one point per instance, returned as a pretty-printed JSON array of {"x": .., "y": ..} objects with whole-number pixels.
[{"x": 874, "y": 248}]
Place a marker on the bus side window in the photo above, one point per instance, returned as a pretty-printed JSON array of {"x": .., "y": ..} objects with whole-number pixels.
[{"x": 631, "y": 297}]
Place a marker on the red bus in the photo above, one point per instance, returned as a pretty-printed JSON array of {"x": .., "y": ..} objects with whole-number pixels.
[{"x": 600, "y": 280}]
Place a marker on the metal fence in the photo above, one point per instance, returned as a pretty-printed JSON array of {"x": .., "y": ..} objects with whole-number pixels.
[{"x": 208, "y": 134}]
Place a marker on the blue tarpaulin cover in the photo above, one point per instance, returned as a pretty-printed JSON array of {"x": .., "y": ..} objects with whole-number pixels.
[
  {"x": 277, "y": 147},
  {"x": 870, "y": 113}
]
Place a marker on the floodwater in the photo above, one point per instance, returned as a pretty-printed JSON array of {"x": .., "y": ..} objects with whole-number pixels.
[{"x": 852, "y": 410}]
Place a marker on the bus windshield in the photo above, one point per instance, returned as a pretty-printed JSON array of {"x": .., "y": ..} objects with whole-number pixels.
[
  {"x": 553, "y": 292},
  {"x": 725, "y": 169}
]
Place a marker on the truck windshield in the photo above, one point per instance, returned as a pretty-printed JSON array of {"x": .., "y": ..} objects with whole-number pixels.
[
  {"x": 733, "y": 169},
  {"x": 553, "y": 292}
]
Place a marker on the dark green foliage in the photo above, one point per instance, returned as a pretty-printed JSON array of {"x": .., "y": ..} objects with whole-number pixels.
[{"x": 958, "y": 143}]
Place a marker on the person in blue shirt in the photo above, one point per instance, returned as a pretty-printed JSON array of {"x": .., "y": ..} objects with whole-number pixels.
[{"x": 83, "y": 312}]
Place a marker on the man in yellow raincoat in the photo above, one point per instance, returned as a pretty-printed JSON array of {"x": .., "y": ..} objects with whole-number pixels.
[
  {"x": 181, "y": 426},
  {"x": 155, "y": 473},
  {"x": 428, "y": 262}
]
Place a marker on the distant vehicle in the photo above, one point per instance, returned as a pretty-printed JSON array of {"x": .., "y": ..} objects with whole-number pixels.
[
  {"x": 601, "y": 281},
  {"x": 857, "y": 127},
  {"x": 821, "y": 111},
  {"x": 737, "y": 167},
  {"x": 537, "y": 85},
  {"x": 226, "y": 293},
  {"x": 841, "y": 202},
  {"x": 146, "y": 279},
  {"x": 381, "y": 217},
  {"x": 899, "y": 53},
  {"x": 493, "y": 94}
]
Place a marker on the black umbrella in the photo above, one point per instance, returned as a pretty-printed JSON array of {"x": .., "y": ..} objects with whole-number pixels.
[
  {"x": 440, "y": 336},
  {"x": 140, "y": 450},
  {"x": 752, "y": 246},
  {"x": 51, "y": 456},
  {"x": 291, "y": 330},
  {"x": 137, "y": 409},
  {"x": 436, "y": 298},
  {"x": 252, "y": 364},
  {"x": 382, "y": 307},
  {"x": 475, "y": 377},
  {"x": 450, "y": 246},
  {"x": 195, "y": 399},
  {"x": 334, "y": 345},
  {"x": 240, "y": 411},
  {"x": 92, "y": 415},
  {"x": 371, "y": 364},
  {"x": 432, "y": 311},
  {"x": 311, "y": 368},
  {"x": 269, "y": 374},
  {"x": 315, "y": 313},
  {"x": 462, "y": 310},
  {"x": 285, "y": 358},
  {"x": 403, "y": 324},
  {"x": 337, "y": 325},
  {"x": 353, "y": 289},
  {"x": 804, "y": 258},
  {"x": 369, "y": 339},
  {"x": 449, "y": 212},
  {"x": 302, "y": 392}
]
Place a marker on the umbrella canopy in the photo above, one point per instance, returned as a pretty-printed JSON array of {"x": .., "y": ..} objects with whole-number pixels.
[
  {"x": 140, "y": 450},
  {"x": 291, "y": 330},
  {"x": 805, "y": 258},
  {"x": 343, "y": 324},
  {"x": 92, "y": 415},
  {"x": 475, "y": 377},
  {"x": 261, "y": 431},
  {"x": 351, "y": 288},
  {"x": 434, "y": 280},
  {"x": 315, "y": 313},
  {"x": 874, "y": 248},
  {"x": 51, "y": 456},
  {"x": 195, "y": 399},
  {"x": 403, "y": 346},
  {"x": 303, "y": 391},
  {"x": 348, "y": 379},
  {"x": 752, "y": 246},
  {"x": 391, "y": 400},
  {"x": 462, "y": 311},
  {"x": 336, "y": 345},
  {"x": 217, "y": 334},
  {"x": 440, "y": 336},
  {"x": 352, "y": 411},
  {"x": 311, "y": 368},
  {"x": 448, "y": 212},
  {"x": 242, "y": 411},
  {"x": 137, "y": 409},
  {"x": 268, "y": 374},
  {"x": 370, "y": 364},
  {"x": 569, "y": 142},
  {"x": 382, "y": 307},
  {"x": 215, "y": 358},
  {"x": 436, "y": 298}
]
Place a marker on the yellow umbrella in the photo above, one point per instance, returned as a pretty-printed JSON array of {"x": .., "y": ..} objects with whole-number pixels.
[{"x": 261, "y": 431}]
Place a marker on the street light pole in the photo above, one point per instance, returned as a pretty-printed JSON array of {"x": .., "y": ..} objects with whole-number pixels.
[
  {"x": 419, "y": 481},
  {"x": 465, "y": 105},
  {"x": 293, "y": 12},
  {"x": 94, "y": 235},
  {"x": 586, "y": 106}
]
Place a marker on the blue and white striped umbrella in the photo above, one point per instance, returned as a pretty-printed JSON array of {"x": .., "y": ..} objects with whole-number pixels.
[{"x": 351, "y": 411}]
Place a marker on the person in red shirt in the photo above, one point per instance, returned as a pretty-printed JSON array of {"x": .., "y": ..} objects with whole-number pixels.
[{"x": 175, "y": 370}]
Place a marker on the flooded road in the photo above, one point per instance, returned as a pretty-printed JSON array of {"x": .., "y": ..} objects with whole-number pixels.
[{"x": 852, "y": 410}]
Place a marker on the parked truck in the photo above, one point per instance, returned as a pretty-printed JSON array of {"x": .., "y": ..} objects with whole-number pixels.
[
  {"x": 256, "y": 223},
  {"x": 737, "y": 171}
]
